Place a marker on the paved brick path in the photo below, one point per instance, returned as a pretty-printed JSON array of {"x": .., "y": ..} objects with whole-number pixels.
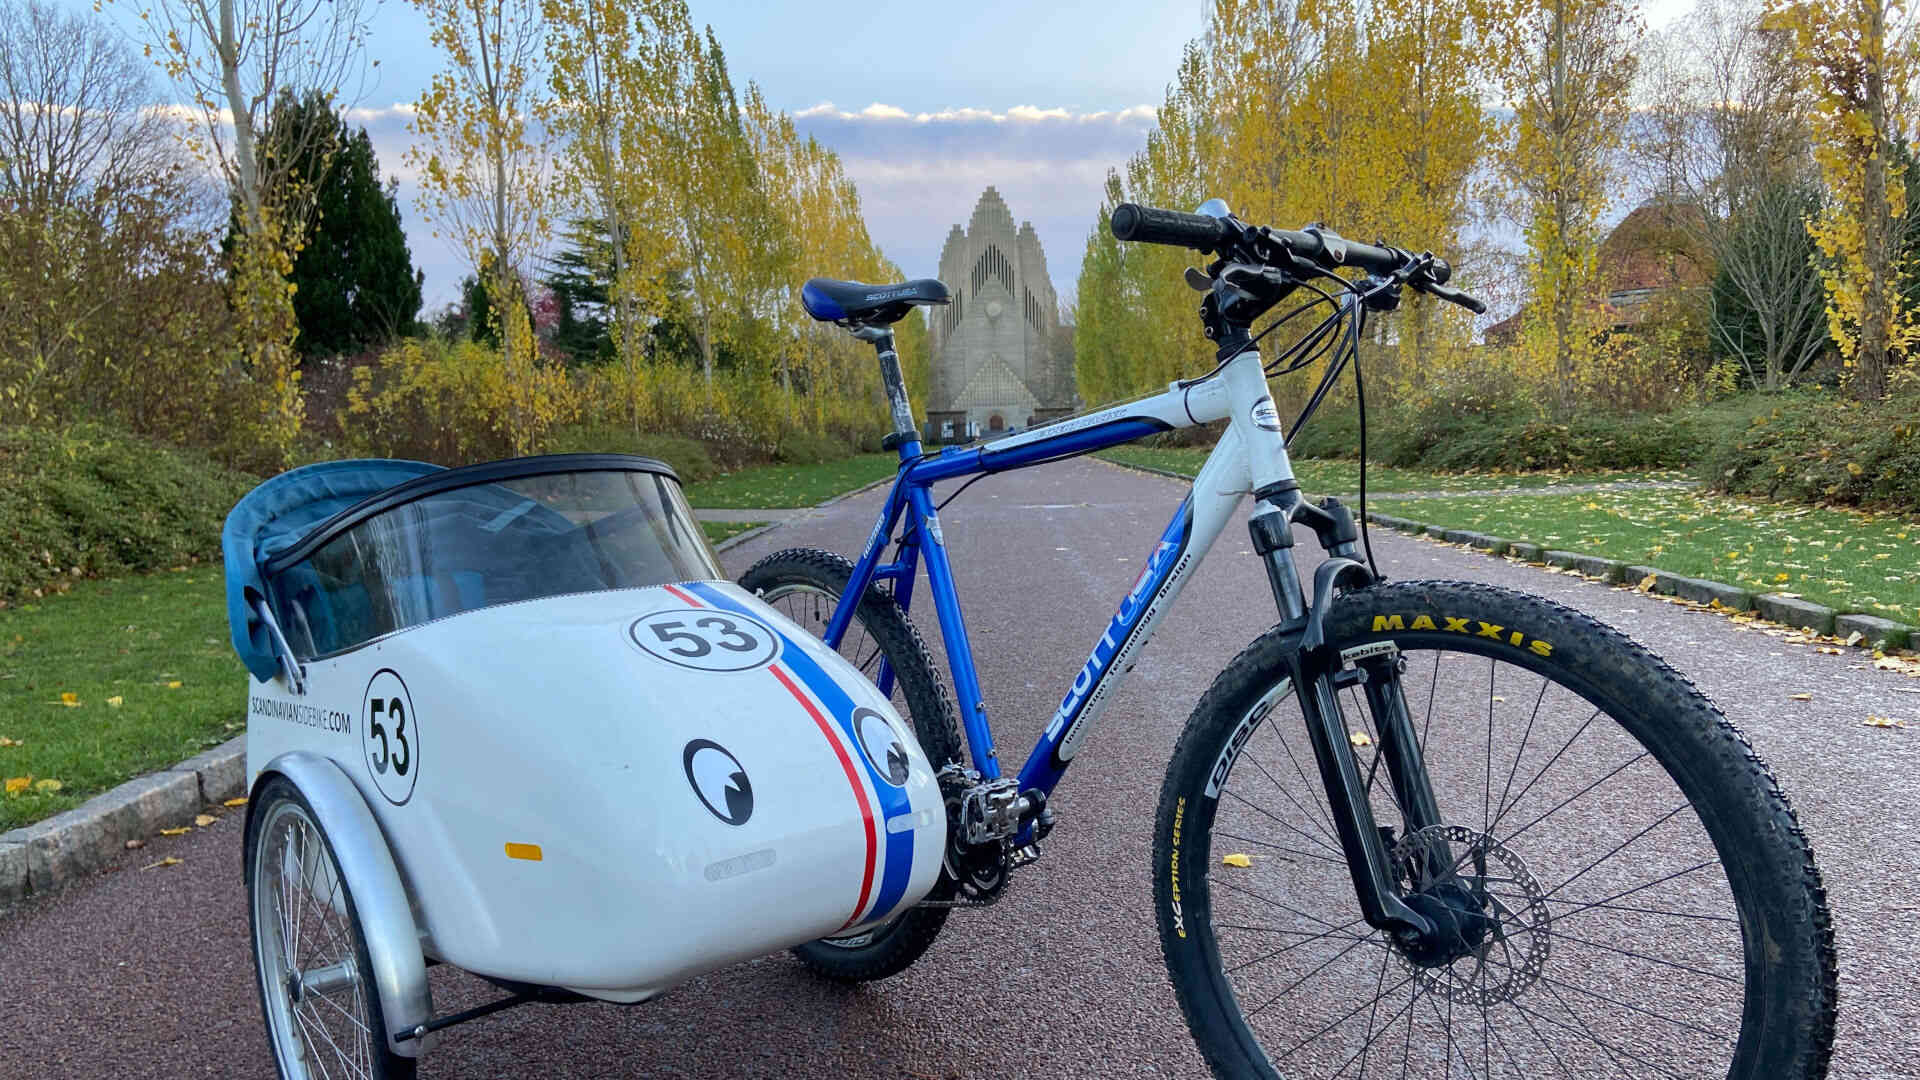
[{"x": 146, "y": 973}]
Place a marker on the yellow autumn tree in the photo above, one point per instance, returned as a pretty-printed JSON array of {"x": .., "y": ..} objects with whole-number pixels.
[
  {"x": 602, "y": 94},
  {"x": 484, "y": 173},
  {"x": 1364, "y": 117},
  {"x": 1570, "y": 65},
  {"x": 1858, "y": 58}
]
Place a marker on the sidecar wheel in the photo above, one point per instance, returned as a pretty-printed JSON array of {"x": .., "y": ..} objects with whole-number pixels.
[{"x": 317, "y": 994}]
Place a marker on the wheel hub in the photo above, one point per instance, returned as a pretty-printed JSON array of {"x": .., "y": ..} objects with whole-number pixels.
[
  {"x": 1460, "y": 925},
  {"x": 1490, "y": 939}
]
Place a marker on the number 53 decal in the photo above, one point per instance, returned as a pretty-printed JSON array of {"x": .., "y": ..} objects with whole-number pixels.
[
  {"x": 390, "y": 736},
  {"x": 705, "y": 640}
]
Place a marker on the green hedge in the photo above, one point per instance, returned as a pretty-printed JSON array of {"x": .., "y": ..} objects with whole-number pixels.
[
  {"x": 1475, "y": 436},
  {"x": 1824, "y": 448},
  {"x": 689, "y": 457},
  {"x": 93, "y": 502}
]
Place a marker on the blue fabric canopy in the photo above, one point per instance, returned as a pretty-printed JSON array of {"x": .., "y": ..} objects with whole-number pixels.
[{"x": 275, "y": 516}]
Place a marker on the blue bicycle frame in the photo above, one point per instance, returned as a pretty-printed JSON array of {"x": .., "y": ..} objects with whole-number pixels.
[{"x": 1251, "y": 452}]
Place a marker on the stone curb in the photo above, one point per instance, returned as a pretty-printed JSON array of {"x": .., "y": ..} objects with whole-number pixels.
[
  {"x": 40, "y": 858},
  {"x": 741, "y": 538},
  {"x": 1875, "y": 632}
]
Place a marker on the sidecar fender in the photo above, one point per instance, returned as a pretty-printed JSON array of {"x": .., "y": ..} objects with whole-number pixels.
[{"x": 380, "y": 899}]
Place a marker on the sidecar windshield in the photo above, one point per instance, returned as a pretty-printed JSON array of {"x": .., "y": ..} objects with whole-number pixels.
[{"x": 489, "y": 534}]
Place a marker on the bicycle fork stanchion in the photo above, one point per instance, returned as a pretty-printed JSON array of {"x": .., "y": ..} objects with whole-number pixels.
[{"x": 1314, "y": 667}]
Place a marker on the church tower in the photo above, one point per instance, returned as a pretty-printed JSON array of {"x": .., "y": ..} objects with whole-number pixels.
[{"x": 1002, "y": 360}]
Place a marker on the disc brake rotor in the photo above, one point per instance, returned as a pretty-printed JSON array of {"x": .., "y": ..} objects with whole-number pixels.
[{"x": 1512, "y": 954}]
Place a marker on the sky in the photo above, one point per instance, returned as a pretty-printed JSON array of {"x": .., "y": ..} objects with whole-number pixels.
[{"x": 926, "y": 104}]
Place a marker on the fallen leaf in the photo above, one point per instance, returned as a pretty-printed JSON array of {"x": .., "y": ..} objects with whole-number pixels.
[
  {"x": 1237, "y": 859},
  {"x": 18, "y": 784},
  {"x": 1360, "y": 738},
  {"x": 241, "y": 801},
  {"x": 1884, "y": 721},
  {"x": 174, "y": 685},
  {"x": 1646, "y": 583},
  {"x": 181, "y": 831},
  {"x": 1855, "y": 638},
  {"x": 68, "y": 697},
  {"x": 1799, "y": 697},
  {"x": 4, "y": 741},
  {"x": 47, "y": 787},
  {"x": 115, "y": 701},
  {"x": 168, "y": 861},
  {"x": 136, "y": 845},
  {"x": 204, "y": 820}
]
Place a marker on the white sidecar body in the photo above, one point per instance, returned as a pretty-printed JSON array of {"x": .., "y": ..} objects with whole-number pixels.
[{"x": 594, "y": 765}]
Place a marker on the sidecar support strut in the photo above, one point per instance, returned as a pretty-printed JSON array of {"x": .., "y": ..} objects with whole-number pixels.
[{"x": 521, "y": 995}]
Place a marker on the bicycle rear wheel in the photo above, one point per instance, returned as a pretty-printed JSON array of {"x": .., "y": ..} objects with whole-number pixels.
[
  {"x": 1633, "y": 893},
  {"x": 805, "y": 584}
]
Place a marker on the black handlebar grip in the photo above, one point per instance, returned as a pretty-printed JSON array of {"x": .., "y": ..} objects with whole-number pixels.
[{"x": 1147, "y": 225}]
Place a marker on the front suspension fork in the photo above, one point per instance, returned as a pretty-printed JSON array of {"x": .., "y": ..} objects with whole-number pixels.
[{"x": 1317, "y": 677}]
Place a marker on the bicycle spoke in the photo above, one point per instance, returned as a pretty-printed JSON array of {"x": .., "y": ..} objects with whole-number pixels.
[
  {"x": 1295, "y": 984},
  {"x": 1514, "y": 835},
  {"x": 1276, "y": 819},
  {"x": 1277, "y": 847},
  {"x": 1295, "y": 933},
  {"x": 1704, "y": 973},
  {"x": 1337, "y": 1021},
  {"x": 1262, "y": 958},
  {"x": 1576, "y": 906},
  {"x": 1306, "y": 785},
  {"x": 1486, "y": 791},
  {"x": 1617, "y": 848},
  {"x": 1543, "y": 769},
  {"x": 1373, "y": 1015},
  {"x": 1230, "y": 886},
  {"x": 1514, "y": 771}
]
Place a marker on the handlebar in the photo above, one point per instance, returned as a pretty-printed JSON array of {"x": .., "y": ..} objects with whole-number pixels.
[{"x": 1327, "y": 250}]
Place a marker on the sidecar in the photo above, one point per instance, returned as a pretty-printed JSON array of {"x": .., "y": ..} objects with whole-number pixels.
[{"x": 511, "y": 717}]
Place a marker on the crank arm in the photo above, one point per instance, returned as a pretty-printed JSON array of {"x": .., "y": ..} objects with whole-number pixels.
[{"x": 1353, "y": 819}]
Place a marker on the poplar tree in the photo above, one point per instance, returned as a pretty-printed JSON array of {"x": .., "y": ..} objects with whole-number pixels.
[
  {"x": 484, "y": 166},
  {"x": 1858, "y": 60},
  {"x": 1570, "y": 65}
]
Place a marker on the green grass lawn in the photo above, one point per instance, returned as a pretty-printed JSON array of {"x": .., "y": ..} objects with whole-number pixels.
[
  {"x": 1326, "y": 476},
  {"x": 763, "y": 486},
  {"x": 151, "y": 676},
  {"x": 719, "y": 530},
  {"x": 1845, "y": 559}
]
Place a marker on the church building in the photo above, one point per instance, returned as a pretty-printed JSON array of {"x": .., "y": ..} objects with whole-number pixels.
[{"x": 1002, "y": 360}]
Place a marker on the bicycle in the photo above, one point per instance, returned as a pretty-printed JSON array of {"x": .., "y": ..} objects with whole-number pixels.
[{"x": 1635, "y": 897}]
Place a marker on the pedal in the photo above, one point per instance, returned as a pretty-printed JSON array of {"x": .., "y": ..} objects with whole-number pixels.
[{"x": 993, "y": 810}]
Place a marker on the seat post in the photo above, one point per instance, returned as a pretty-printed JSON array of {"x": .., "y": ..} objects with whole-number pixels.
[{"x": 881, "y": 338}]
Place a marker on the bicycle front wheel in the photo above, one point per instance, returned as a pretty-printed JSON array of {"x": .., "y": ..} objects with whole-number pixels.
[{"x": 1632, "y": 892}]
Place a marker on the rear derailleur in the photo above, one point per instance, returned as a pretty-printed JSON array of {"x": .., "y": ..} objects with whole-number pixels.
[{"x": 985, "y": 820}]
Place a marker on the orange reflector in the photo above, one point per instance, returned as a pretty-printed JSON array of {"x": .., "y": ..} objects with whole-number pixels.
[{"x": 529, "y": 852}]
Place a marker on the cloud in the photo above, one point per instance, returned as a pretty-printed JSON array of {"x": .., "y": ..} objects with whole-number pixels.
[{"x": 920, "y": 175}]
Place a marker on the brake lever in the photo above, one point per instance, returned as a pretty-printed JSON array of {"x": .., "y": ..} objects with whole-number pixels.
[{"x": 1451, "y": 295}]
